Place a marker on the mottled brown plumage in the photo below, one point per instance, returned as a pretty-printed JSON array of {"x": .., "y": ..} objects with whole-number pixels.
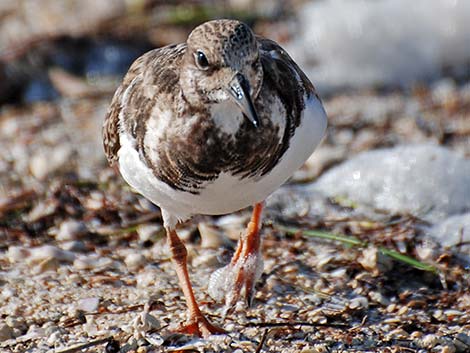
[
  {"x": 156, "y": 80},
  {"x": 211, "y": 126}
]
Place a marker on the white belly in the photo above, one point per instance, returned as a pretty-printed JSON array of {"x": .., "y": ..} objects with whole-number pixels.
[{"x": 227, "y": 193}]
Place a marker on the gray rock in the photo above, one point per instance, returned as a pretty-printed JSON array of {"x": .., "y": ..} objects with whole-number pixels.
[
  {"x": 71, "y": 230},
  {"x": 425, "y": 180}
]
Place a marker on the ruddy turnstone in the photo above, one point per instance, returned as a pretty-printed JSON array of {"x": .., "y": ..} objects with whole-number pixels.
[{"x": 212, "y": 126}]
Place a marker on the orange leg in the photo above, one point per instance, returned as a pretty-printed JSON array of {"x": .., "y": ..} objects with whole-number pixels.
[
  {"x": 197, "y": 324},
  {"x": 246, "y": 263}
]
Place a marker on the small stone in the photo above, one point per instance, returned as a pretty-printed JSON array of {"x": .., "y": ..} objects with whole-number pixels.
[
  {"x": 148, "y": 232},
  {"x": 289, "y": 307},
  {"x": 44, "y": 252},
  {"x": 207, "y": 259},
  {"x": 34, "y": 332},
  {"x": 17, "y": 253},
  {"x": 45, "y": 162},
  {"x": 445, "y": 348},
  {"x": 90, "y": 326},
  {"x": 74, "y": 246},
  {"x": 429, "y": 341},
  {"x": 425, "y": 251},
  {"x": 359, "y": 302},
  {"x": 368, "y": 259},
  {"x": 49, "y": 264},
  {"x": 16, "y": 323},
  {"x": 88, "y": 305},
  {"x": 8, "y": 293},
  {"x": 211, "y": 236},
  {"x": 233, "y": 225},
  {"x": 453, "y": 313},
  {"x": 134, "y": 261},
  {"x": 71, "y": 230},
  {"x": 403, "y": 310},
  {"x": 6, "y": 332},
  {"x": 53, "y": 338},
  {"x": 92, "y": 262},
  {"x": 379, "y": 298},
  {"x": 147, "y": 278}
]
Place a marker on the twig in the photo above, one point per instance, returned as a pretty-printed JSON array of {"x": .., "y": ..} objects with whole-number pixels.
[
  {"x": 80, "y": 346},
  {"x": 261, "y": 343}
]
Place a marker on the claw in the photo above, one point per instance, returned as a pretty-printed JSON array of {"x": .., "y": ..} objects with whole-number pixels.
[{"x": 200, "y": 326}]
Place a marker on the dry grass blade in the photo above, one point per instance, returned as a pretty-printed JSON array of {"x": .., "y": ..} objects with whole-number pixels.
[{"x": 352, "y": 241}]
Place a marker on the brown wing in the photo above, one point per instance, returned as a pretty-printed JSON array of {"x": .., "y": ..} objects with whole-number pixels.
[
  {"x": 284, "y": 78},
  {"x": 281, "y": 72},
  {"x": 153, "y": 72}
]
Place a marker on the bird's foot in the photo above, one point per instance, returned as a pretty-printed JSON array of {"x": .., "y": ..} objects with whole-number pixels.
[
  {"x": 237, "y": 278},
  {"x": 198, "y": 325}
]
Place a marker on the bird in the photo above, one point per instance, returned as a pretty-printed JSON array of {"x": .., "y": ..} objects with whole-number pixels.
[{"x": 209, "y": 127}]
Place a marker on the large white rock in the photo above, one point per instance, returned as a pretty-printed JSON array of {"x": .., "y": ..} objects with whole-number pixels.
[{"x": 425, "y": 180}]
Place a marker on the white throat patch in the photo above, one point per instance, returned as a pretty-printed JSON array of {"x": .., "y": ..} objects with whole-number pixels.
[{"x": 227, "y": 116}]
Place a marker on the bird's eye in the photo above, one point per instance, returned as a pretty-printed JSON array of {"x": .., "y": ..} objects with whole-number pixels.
[{"x": 201, "y": 60}]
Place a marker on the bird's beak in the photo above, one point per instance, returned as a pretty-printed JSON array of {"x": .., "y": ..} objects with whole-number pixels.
[{"x": 239, "y": 89}]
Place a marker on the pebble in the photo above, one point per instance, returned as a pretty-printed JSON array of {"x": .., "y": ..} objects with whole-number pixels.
[
  {"x": 89, "y": 305},
  {"x": 45, "y": 162},
  {"x": 8, "y": 293},
  {"x": 54, "y": 338},
  {"x": 39, "y": 254},
  {"x": 208, "y": 258},
  {"x": 71, "y": 230},
  {"x": 6, "y": 332},
  {"x": 379, "y": 298},
  {"x": 49, "y": 264},
  {"x": 17, "y": 253},
  {"x": 92, "y": 262},
  {"x": 359, "y": 302},
  {"x": 148, "y": 232},
  {"x": 445, "y": 348},
  {"x": 211, "y": 237},
  {"x": 429, "y": 341},
  {"x": 147, "y": 278},
  {"x": 368, "y": 258},
  {"x": 134, "y": 261},
  {"x": 16, "y": 323},
  {"x": 50, "y": 251},
  {"x": 233, "y": 225},
  {"x": 74, "y": 246}
]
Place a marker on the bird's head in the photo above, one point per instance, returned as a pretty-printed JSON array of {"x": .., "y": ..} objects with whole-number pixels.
[{"x": 222, "y": 63}]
